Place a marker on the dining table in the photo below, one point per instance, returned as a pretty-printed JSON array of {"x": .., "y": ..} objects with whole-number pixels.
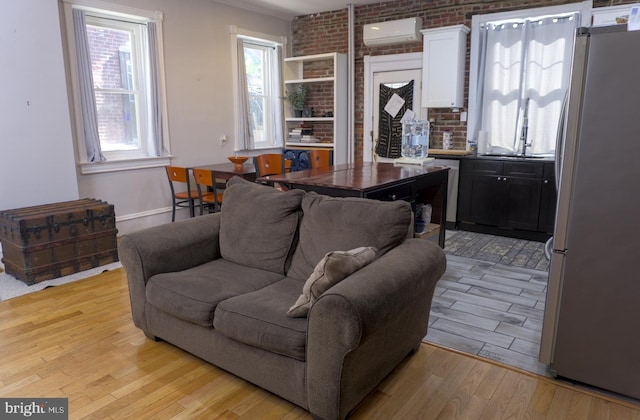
[
  {"x": 226, "y": 170},
  {"x": 384, "y": 181}
]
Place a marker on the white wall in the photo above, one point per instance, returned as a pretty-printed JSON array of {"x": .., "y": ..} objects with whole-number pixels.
[
  {"x": 36, "y": 150},
  {"x": 199, "y": 94}
]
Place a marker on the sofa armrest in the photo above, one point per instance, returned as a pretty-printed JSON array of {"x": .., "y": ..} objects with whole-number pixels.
[
  {"x": 166, "y": 248},
  {"x": 361, "y": 328}
]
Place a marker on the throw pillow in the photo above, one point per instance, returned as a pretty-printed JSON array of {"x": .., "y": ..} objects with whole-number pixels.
[
  {"x": 333, "y": 268},
  {"x": 258, "y": 225}
]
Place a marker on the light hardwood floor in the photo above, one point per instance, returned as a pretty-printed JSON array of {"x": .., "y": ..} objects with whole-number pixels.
[{"x": 78, "y": 341}]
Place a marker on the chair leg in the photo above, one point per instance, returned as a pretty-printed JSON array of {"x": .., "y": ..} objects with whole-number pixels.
[{"x": 173, "y": 211}]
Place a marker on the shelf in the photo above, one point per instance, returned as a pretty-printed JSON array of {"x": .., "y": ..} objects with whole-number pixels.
[
  {"x": 314, "y": 80},
  {"x": 316, "y": 57},
  {"x": 303, "y": 119}
]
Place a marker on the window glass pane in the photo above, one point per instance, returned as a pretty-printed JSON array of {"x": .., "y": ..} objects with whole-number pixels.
[
  {"x": 117, "y": 126},
  {"x": 110, "y": 58},
  {"x": 257, "y": 106},
  {"x": 114, "y": 84},
  {"x": 257, "y": 78}
]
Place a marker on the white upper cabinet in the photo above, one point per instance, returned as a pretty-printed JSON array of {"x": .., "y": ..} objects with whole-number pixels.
[{"x": 443, "y": 66}]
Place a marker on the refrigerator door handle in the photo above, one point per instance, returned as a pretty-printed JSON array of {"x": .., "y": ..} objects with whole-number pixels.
[
  {"x": 570, "y": 146},
  {"x": 560, "y": 137}
]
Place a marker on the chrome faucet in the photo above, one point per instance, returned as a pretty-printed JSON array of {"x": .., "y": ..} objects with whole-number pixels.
[{"x": 525, "y": 129}]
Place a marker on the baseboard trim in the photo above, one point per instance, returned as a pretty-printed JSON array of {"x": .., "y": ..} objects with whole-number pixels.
[{"x": 143, "y": 214}]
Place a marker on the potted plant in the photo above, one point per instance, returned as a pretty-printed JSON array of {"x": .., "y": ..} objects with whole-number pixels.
[{"x": 297, "y": 97}]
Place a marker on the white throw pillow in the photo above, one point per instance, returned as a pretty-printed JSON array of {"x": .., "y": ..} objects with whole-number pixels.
[{"x": 334, "y": 267}]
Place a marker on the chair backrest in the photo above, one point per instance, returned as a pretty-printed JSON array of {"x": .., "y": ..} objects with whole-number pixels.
[
  {"x": 207, "y": 178},
  {"x": 178, "y": 174},
  {"x": 320, "y": 158},
  {"x": 269, "y": 164},
  {"x": 204, "y": 177}
]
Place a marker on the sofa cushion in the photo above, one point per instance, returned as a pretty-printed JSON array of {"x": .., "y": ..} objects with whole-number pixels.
[
  {"x": 193, "y": 294},
  {"x": 259, "y": 319},
  {"x": 331, "y": 223},
  {"x": 258, "y": 224},
  {"x": 333, "y": 268}
]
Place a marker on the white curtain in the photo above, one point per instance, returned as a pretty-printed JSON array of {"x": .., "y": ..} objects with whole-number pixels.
[
  {"x": 278, "y": 116},
  {"x": 156, "y": 109},
  {"x": 525, "y": 61},
  {"x": 87, "y": 97},
  {"x": 244, "y": 120}
]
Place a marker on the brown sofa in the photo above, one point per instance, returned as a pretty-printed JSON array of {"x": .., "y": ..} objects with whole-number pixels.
[{"x": 220, "y": 287}]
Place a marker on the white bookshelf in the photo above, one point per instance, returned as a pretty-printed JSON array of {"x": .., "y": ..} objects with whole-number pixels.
[{"x": 329, "y": 68}]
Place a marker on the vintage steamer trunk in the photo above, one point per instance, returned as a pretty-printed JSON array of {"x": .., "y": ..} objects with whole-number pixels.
[{"x": 53, "y": 240}]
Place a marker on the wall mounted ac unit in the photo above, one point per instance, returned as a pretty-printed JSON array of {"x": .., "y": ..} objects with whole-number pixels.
[{"x": 392, "y": 32}]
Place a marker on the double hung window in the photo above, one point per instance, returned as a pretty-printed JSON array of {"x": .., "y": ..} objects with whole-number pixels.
[
  {"x": 259, "y": 93},
  {"x": 116, "y": 70}
]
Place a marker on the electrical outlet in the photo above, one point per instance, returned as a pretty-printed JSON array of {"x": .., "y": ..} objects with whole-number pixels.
[{"x": 223, "y": 139}]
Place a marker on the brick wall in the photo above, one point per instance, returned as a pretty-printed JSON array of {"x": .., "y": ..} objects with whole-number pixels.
[{"x": 328, "y": 32}]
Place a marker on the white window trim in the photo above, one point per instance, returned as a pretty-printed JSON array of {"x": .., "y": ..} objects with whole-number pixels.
[
  {"x": 584, "y": 7},
  {"x": 234, "y": 32},
  {"x": 134, "y": 15}
]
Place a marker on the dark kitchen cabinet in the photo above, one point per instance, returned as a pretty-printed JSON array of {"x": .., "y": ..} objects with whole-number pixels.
[
  {"x": 504, "y": 194},
  {"x": 479, "y": 192}
]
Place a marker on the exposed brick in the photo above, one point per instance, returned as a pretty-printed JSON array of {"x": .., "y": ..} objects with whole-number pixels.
[{"x": 328, "y": 32}]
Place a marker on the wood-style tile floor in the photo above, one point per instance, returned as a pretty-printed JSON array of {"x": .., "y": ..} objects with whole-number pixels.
[
  {"x": 488, "y": 308},
  {"x": 497, "y": 249},
  {"x": 491, "y": 310}
]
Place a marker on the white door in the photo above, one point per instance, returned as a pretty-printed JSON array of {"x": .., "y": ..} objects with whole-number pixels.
[{"x": 394, "y": 80}]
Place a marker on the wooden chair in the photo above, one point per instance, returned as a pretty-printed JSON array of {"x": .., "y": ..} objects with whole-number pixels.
[
  {"x": 211, "y": 200},
  {"x": 320, "y": 158},
  {"x": 186, "y": 198},
  {"x": 270, "y": 164}
]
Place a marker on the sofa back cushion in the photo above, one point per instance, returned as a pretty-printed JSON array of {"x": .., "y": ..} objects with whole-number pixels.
[
  {"x": 258, "y": 224},
  {"x": 340, "y": 224}
]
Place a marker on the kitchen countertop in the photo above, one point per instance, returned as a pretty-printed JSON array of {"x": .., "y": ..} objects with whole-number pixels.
[{"x": 465, "y": 154}]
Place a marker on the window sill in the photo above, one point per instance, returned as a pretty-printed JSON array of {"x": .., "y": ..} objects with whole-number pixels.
[{"x": 87, "y": 168}]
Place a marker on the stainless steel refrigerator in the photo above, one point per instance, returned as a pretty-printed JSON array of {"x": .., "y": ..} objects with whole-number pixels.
[{"x": 591, "y": 328}]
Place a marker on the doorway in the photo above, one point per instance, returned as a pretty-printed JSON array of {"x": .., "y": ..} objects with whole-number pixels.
[
  {"x": 393, "y": 72},
  {"x": 387, "y": 129}
]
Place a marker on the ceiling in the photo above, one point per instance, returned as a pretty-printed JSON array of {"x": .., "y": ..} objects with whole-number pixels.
[{"x": 289, "y": 9}]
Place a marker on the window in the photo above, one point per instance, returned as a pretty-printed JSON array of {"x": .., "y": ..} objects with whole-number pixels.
[
  {"x": 116, "y": 71},
  {"x": 259, "y": 68},
  {"x": 120, "y": 85},
  {"x": 522, "y": 67},
  {"x": 259, "y": 93}
]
